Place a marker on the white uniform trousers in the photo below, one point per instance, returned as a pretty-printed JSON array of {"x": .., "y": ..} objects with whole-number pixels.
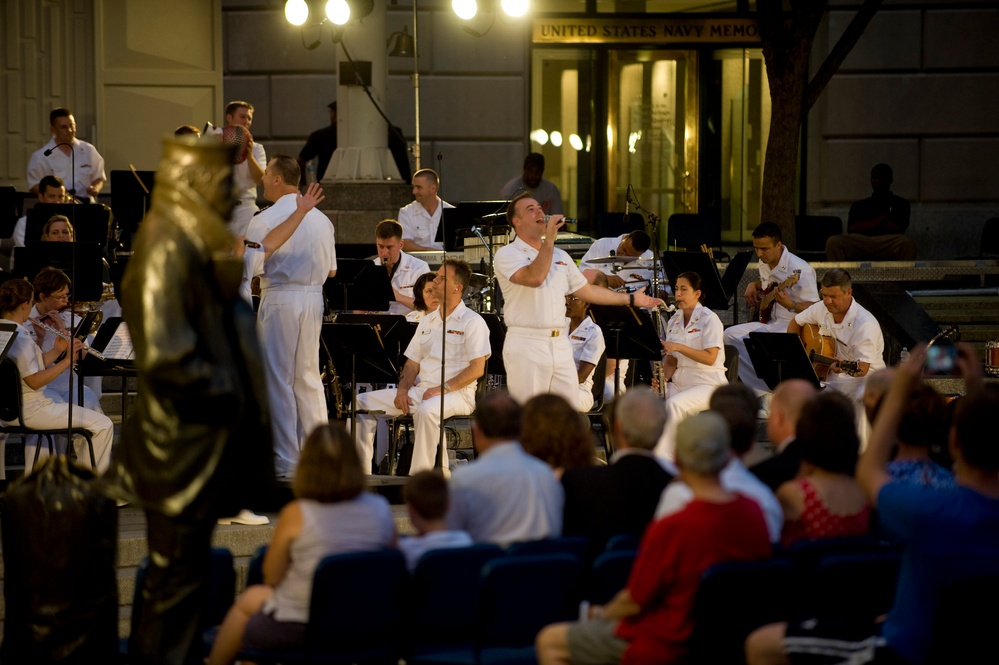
[
  {"x": 735, "y": 335},
  {"x": 584, "y": 399},
  {"x": 241, "y": 215},
  {"x": 289, "y": 323},
  {"x": 681, "y": 403},
  {"x": 55, "y": 415},
  {"x": 537, "y": 363},
  {"x": 426, "y": 423}
]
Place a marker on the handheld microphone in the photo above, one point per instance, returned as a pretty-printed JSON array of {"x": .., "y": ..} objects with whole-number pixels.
[{"x": 567, "y": 220}]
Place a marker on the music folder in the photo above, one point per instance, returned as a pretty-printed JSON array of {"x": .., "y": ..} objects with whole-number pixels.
[
  {"x": 8, "y": 331},
  {"x": 114, "y": 342}
]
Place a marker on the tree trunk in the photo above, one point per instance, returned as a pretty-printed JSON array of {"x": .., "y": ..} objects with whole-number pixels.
[{"x": 787, "y": 39}]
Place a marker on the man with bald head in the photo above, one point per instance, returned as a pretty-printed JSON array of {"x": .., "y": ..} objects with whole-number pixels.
[{"x": 789, "y": 399}]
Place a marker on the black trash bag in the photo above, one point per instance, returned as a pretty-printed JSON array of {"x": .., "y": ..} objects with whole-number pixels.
[{"x": 59, "y": 539}]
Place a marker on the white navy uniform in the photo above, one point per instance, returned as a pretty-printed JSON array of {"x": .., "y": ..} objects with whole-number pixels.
[
  {"x": 404, "y": 276},
  {"x": 537, "y": 353},
  {"x": 245, "y": 189},
  {"x": 858, "y": 337},
  {"x": 420, "y": 226},
  {"x": 289, "y": 323},
  {"x": 89, "y": 166},
  {"x": 689, "y": 390},
  {"x": 587, "y": 342},
  {"x": 604, "y": 247},
  {"x": 58, "y": 388},
  {"x": 805, "y": 290},
  {"x": 467, "y": 339},
  {"x": 42, "y": 412}
]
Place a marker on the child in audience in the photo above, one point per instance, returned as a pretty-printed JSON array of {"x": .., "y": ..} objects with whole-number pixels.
[
  {"x": 331, "y": 514},
  {"x": 426, "y": 498}
]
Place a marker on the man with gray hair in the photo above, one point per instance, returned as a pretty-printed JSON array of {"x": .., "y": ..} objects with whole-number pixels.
[
  {"x": 651, "y": 620},
  {"x": 856, "y": 332},
  {"x": 790, "y": 397},
  {"x": 603, "y": 501}
]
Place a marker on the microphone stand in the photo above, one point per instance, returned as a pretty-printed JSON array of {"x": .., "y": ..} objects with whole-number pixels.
[{"x": 72, "y": 292}]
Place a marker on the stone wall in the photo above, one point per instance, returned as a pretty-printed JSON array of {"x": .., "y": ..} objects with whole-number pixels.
[{"x": 920, "y": 91}]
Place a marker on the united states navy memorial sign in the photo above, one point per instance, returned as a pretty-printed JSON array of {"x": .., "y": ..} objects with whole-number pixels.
[{"x": 644, "y": 30}]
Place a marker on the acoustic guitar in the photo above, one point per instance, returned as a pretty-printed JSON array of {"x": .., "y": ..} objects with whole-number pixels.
[
  {"x": 770, "y": 295},
  {"x": 821, "y": 350}
]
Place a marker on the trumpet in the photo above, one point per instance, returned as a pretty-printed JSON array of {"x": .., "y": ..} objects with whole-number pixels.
[{"x": 65, "y": 336}]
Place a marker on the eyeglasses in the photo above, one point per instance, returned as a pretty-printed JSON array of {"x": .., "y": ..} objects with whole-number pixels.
[
  {"x": 64, "y": 296},
  {"x": 571, "y": 298}
]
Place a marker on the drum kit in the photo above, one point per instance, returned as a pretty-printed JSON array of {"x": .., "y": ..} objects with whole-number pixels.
[{"x": 992, "y": 358}]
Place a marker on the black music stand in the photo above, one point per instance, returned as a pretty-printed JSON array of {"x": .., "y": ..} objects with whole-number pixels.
[
  {"x": 464, "y": 216},
  {"x": 778, "y": 357},
  {"x": 129, "y": 201},
  {"x": 396, "y": 332},
  {"x": 8, "y": 331},
  {"x": 628, "y": 333},
  {"x": 349, "y": 341},
  {"x": 10, "y": 210},
  {"x": 497, "y": 338},
  {"x": 91, "y": 221},
  {"x": 88, "y": 282},
  {"x": 712, "y": 292},
  {"x": 119, "y": 359},
  {"x": 359, "y": 284}
]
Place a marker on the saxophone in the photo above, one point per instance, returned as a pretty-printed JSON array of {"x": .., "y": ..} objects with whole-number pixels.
[
  {"x": 331, "y": 382},
  {"x": 659, "y": 380}
]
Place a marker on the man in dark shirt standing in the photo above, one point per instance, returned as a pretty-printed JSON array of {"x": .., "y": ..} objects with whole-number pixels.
[
  {"x": 320, "y": 146},
  {"x": 876, "y": 227}
]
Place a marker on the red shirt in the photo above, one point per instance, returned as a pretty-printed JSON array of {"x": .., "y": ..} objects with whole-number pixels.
[{"x": 674, "y": 553}]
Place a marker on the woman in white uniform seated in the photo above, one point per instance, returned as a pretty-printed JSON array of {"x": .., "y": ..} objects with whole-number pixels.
[
  {"x": 424, "y": 299},
  {"x": 52, "y": 308},
  {"x": 37, "y": 371},
  {"x": 694, "y": 358}
]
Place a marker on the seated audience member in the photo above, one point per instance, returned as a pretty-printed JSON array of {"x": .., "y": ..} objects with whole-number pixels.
[
  {"x": 924, "y": 424},
  {"x": 426, "y": 500},
  {"x": 505, "y": 495},
  {"x": 825, "y": 500},
  {"x": 650, "y": 621},
  {"x": 557, "y": 434},
  {"x": 948, "y": 534},
  {"x": 331, "y": 514},
  {"x": 876, "y": 227},
  {"x": 737, "y": 404},
  {"x": 587, "y": 341},
  {"x": 620, "y": 498},
  {"x": 424, "y": 297},
  {"x": 785, "y": 409}
]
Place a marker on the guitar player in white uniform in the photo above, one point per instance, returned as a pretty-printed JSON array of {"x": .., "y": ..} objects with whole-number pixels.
[{"x": 786, "y": 282}]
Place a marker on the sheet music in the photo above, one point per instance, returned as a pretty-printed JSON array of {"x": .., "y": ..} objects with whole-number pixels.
[
  {"x": 120, "y": 347},
  {"x": 6, "y": 337}
]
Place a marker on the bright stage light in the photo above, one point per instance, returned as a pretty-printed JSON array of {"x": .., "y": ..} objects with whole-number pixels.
[{"x": 296, "y": 11}]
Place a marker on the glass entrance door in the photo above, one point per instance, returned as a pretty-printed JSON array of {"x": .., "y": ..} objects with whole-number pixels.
[{"x": 652, "y": 130}]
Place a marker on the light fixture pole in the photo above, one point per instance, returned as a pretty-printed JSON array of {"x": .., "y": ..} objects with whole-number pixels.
[{"x": 416, "y": 87}]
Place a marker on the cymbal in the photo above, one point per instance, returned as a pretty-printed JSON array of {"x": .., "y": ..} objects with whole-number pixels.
[
  {"x": 478, "y": 281},
  {"x": 612, "y": 259}
]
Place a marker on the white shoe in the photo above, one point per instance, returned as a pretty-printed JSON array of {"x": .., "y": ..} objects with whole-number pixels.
[{"x": 246, "y": 517}]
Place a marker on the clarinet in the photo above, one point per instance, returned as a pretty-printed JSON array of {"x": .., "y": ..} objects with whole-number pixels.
[{"x": 68, "y": 338}]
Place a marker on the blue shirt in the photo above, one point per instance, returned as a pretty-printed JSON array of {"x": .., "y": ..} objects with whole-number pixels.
[{"x": 949, "y": 535}]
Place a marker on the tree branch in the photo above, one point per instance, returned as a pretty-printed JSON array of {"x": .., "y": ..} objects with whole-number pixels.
[{"x": 838, "y": 54}]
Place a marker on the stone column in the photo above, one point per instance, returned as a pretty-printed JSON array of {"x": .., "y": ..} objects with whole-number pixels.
[{"x": 362, "y": 134}]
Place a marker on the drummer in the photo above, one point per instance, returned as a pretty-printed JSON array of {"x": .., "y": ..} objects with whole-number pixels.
[{"x": 606, "y": 255}]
